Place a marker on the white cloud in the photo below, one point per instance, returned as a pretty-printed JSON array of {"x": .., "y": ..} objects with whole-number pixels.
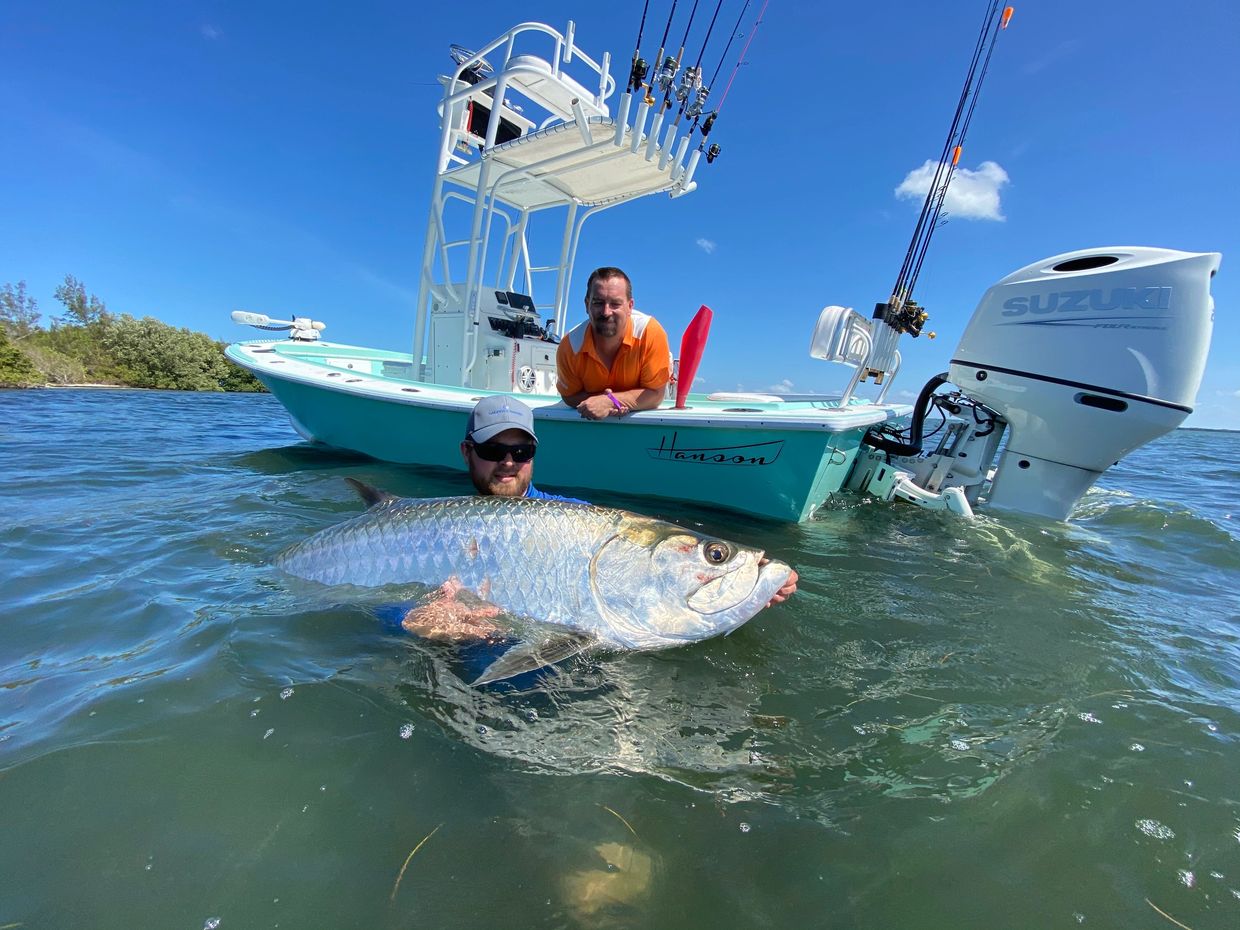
[
  {"x": 1065, "y": 49},
  {"x": 706, "y": 245},
  {"x": 210, "y": 32},
  {"x": 784, "y": 387},
  {"x": 972, "y": 195}
]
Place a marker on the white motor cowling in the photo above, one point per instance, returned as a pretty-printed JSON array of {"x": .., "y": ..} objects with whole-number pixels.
[{"x": 1087, "y": 356}]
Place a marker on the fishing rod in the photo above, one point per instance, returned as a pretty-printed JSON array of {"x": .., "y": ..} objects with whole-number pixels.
[
  {"x": 709, "y": 123},
  {"x": 959, "y": 147},
  {"x": 659, "y": 57},
  {"x": 741, "y": 60},
  {"x": 901, "y": 312},
  {"x": 700, "y": 104},
  {"x": 691, "y": 92},
  {"x": 671, "y": 65},
  {"x": 732, "y": 38},
  {"x": 637, "y": 73}
]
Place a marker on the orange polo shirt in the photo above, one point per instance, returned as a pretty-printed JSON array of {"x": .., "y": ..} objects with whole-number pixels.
[{"x": 644, "y": 360}]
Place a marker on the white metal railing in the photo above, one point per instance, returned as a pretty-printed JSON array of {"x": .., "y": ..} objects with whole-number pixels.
[{"x": 483, "y": 192}]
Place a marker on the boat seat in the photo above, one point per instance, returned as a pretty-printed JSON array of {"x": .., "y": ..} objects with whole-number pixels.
[
  {"x": 532, "y": 76},
  {"x": 841, "y": 335}
]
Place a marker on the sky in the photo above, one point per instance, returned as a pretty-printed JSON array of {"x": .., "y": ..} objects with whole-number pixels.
[{"x": 185, "y": 159}]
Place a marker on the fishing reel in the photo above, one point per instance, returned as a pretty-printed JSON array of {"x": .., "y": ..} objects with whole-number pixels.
[
  {"x": 712, "y": 153},
  {"x": 695, "y": 106},
  {"x": 690, "y": 82},
  {"x": 637, "y": 76},
  {"x": 906, "y": 316},
  {"x": 667, "y": 74}
]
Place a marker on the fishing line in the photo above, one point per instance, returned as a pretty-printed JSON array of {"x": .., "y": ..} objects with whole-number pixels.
[
  {"x": 959, "y": 147},
  {"x": 741, "y": 60},
  {"x": 901, "y": 289},
  {"x": 709, "y": 30},
  {"x": 996, "y": 20},
  {"x": 731, "y": 39}
]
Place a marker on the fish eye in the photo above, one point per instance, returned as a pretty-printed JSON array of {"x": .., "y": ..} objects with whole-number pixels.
[{"x": 717, "y": 552}]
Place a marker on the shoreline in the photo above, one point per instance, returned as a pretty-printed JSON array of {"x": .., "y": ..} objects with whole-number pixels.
[
  {"x": 93, "y": 384},
  {"x": 98, "y": 386}
]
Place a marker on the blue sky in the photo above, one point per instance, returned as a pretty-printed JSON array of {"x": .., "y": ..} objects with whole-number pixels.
[{"x": 184, "y": 159}]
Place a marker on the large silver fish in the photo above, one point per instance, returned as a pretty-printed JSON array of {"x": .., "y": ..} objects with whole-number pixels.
[{"x": 609, "y": 577}]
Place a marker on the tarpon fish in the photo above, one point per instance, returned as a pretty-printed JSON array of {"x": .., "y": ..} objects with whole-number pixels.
[{"x": 607, "y": 577}]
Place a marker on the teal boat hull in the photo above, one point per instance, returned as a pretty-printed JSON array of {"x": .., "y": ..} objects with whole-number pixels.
[{"x": 780, "y": 461}]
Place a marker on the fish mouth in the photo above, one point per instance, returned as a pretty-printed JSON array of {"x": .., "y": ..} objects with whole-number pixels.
[{"x": 770, "y": 576}]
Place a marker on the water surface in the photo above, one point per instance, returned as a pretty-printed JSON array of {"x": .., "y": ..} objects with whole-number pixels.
[{"x": 1004, "y": 723}]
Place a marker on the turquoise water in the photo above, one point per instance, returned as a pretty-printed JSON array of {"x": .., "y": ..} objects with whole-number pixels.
[{"x": 988, "y": 724}]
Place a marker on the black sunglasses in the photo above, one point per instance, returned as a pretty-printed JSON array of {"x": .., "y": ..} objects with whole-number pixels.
[{"x": 496, "y": 451}]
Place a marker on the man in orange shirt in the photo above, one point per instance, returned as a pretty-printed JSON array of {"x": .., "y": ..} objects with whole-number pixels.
[{"x": 618, "y": 360}]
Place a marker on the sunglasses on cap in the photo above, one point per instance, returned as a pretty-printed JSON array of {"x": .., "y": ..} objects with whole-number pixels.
[{"x": 496, "y": 451}]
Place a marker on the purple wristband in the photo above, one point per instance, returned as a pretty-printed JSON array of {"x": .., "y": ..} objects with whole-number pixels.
[{"x": 615, "y": 403}]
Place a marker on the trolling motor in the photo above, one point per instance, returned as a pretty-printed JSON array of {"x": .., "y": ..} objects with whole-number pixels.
[{"x": 300, "y": 328}]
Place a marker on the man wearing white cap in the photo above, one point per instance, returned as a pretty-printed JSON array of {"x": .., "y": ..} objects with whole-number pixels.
[{"x": 499, "y": 447}]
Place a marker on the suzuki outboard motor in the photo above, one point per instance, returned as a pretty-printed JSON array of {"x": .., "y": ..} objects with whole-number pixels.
[{"x": 1087, "y": 356}]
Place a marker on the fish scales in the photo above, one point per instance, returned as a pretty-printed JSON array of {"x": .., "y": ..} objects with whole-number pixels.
[
  {"x": 628, "y": 580},
  {"x": 535, "y": 565}
]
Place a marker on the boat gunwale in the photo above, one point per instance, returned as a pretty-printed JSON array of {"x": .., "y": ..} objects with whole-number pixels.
[{"x": 307, "y": 370}]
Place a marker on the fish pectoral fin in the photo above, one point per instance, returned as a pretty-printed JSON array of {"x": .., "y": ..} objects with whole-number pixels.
[
  {"x": 526, "y": 657},
  {"x": 369, "y": 494}
]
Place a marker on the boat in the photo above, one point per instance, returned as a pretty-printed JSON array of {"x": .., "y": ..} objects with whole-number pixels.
[{"x": 1066, "y": 365}]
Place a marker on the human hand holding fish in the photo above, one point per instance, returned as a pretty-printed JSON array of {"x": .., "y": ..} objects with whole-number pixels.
[
  {"x": 605, "y": 577},
  {"x": 789, "y": 587}
]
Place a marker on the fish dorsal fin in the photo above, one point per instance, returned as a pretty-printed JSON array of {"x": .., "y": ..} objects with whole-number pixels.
[{"x": 370, "y": 494}]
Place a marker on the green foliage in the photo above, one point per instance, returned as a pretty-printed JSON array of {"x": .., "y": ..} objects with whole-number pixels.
[
  {"x": 88, "y": 344},
  {"x": 83, "y": 346},
  {"x": 19, "y": 313},
  {"x": 80, "y": 309},
  {"x": 79, "y": 332},
  {"x": 16, "y": 369},
  {"x": 54, "y": 367},
  {"x": 152, "y": 354}
]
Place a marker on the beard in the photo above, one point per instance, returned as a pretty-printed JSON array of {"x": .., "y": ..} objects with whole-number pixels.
[
  {"x": 494, "y": 486},
  {"x": 606, "y": 326}
]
